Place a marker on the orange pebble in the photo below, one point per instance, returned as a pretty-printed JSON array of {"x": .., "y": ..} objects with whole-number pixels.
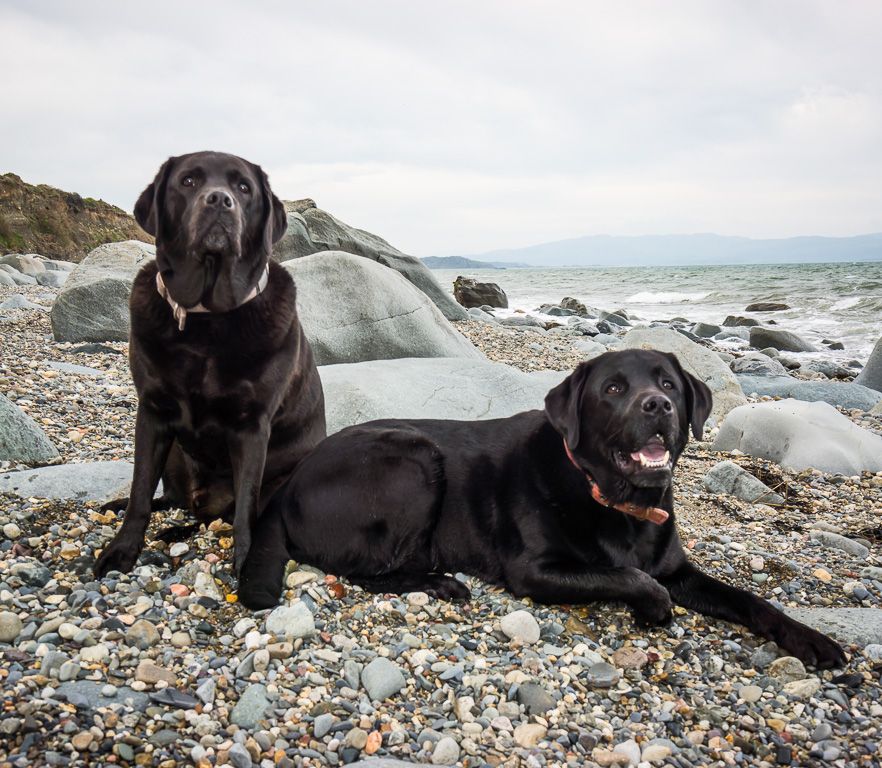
[{"x": 374, "y": 742}]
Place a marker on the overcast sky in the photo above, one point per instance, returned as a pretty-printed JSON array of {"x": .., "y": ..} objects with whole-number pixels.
[{"x": 460, "y": 127}]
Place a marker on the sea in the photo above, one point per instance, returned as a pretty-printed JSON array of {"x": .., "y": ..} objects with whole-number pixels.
[{"x": 835, "y": 301}]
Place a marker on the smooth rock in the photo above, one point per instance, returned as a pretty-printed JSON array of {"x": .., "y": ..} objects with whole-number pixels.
[
  {"x": 93, "y": 305},
  {"x": 21, "y": 440},
  {"x": 803, "y": 689},
  {"x": 536, "y": 700},
  {"x": 861, "y": 626},
  {"x": 382, "y": 679},
  {"x": 89, "y": 481},
  {"x": 529, "y": 734},
  {"x": 251, "y": 707},
  {"x": 26, "y": 264},
  {"x": 472, "y": 293},
  {"x": 291, "y": 621},
  {"x": 835, "y": 541},
  {"x": 757, "y": 364},
  {"x": 799, "y": 435},
  {"x": 10, "y": 626},
  {"x": 312, "y": 230},
  {"x": 727, "y": 477},
  {"x": 871, "y": 374},
  {"x": 787, "y": 669},
  {"x": 839, "y": 393},
  {"x": 785, "y": 341},
  {"x": 353, "y": 309},
  {"x": 430, "y": 388},
  {"x": 205, "y": 585},
  {"x": 521, "y": 624},
  {"x": 446, "y": 751},
  {"x": 142, "y": 635},
  {"x": 149, "y": 672}
]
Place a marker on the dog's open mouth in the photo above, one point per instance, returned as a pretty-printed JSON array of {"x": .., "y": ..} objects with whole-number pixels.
[{"x": 653, "y": 455}]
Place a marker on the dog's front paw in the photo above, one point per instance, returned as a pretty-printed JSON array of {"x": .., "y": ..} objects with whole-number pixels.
[
  {"x": 655, "y": 612},
  {"x": 116, "y": 557},
  {"x": 809, "y": 646}
]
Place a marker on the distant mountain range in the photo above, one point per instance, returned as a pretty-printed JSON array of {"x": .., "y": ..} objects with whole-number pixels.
[
  {"x": 671, "y": 250},
  {"x": 461, "y": 262}
]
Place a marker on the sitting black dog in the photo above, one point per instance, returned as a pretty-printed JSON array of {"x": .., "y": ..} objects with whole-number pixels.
[
  {"x": 567, "y": 505},
  {"x": 229, "y": 395}
]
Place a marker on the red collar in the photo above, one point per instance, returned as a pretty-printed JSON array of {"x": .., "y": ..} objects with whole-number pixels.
[{"x": 652, "y": 514}]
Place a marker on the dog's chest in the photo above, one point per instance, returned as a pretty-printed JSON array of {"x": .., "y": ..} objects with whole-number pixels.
[{"x": 200, "y": 395}]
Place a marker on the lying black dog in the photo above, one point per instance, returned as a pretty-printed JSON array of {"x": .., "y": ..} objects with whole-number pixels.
[
  {"x": 229, "y": 396},
  {"x": 567, "y": 505}
]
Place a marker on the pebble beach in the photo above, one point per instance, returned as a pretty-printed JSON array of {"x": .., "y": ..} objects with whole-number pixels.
[{"x": 162, "y": 667}]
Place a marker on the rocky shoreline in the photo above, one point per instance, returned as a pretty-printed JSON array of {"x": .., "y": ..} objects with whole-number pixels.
[{"x": 161, "y": 667}]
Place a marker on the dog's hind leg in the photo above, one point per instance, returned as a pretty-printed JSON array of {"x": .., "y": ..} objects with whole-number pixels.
[{"x": 436, "y": 585}]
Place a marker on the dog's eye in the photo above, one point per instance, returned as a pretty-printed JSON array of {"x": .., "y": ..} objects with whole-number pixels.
[
  {"x": 613, "y": 389},
  {"x": 667, "y": 384},
  {"x": 188, "y": 181},
  {"x": 244, "y": 188}
]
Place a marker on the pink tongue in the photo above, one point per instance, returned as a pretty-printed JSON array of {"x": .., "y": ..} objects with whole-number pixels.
[{"x": 654, "y": 451}]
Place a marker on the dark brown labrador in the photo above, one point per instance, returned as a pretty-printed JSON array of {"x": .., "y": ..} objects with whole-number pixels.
[
  {"x": 571, "y": 504},
  {"x": 229, "y": 396}
]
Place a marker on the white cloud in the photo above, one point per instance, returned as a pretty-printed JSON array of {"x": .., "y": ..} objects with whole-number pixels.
[{"x": 460, "y": 127}]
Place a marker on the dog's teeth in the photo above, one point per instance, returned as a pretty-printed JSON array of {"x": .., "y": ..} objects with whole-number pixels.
[{"x": 644, "y": 462}]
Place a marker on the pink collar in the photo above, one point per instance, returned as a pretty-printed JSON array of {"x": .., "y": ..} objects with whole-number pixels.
[
  {"x": 180, "y": 313},
  {"x": 652, "y": 514}
]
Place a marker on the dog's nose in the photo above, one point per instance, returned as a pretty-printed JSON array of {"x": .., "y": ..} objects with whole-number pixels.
[
  {"x": 656, "y": 404},
  {"x": 218, "y": 198}
]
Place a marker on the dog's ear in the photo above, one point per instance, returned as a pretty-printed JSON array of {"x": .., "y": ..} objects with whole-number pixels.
[
  {"x": 699, "y": 400},
  {"x": 275, "y": 216},
  {"x": 563, "y": 404},
  {"x": 150, "y": 202}
]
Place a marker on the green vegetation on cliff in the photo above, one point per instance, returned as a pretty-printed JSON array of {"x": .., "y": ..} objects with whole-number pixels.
[{"x": 57, "y": 224}]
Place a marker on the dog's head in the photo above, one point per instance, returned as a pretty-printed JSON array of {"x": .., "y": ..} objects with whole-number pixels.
[
  {"x": 625, "y": 417},
  {"x": 215, "y": 220}
]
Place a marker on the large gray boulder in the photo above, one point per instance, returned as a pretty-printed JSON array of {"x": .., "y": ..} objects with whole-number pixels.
[
  {"x": 438, "y": 388},
  {"x": 757, "y": 364},
  {"x": 695, "y": 359},
  {"x": 871, "y": 375},
  {"x": 784, "y": 341},
  {"x": 88, "y": 481},
  {"x": 353, "y": 309},
  {"x": 839, "y": 393},
  {"x": 27, "y": 264},
  {"x": 470, "y": 293},
  {"x": 93, "y": 305},
  {"x": 798, "y": 435},
  {"x": 311, "y": 230},
  {"x": 21, "y": 440},
  {"x": 861, "y": 626}
]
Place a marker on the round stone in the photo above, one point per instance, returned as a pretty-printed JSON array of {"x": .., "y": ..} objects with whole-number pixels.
[
  {"x": 787, "y": 669},
  {"x": 446, "y": 751},
  {"x": 10, "y": 626},
  {"x": 11, "y": 531},
  {"x": 142, "y": 635},
  {"x": 521, "y": 624},
  {"x": 751, "y": 693}
]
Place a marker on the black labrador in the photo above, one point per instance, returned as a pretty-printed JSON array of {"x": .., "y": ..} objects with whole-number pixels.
[
  {"x": 568, "y": 505},
  {"x": 229, "y": 395}
]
